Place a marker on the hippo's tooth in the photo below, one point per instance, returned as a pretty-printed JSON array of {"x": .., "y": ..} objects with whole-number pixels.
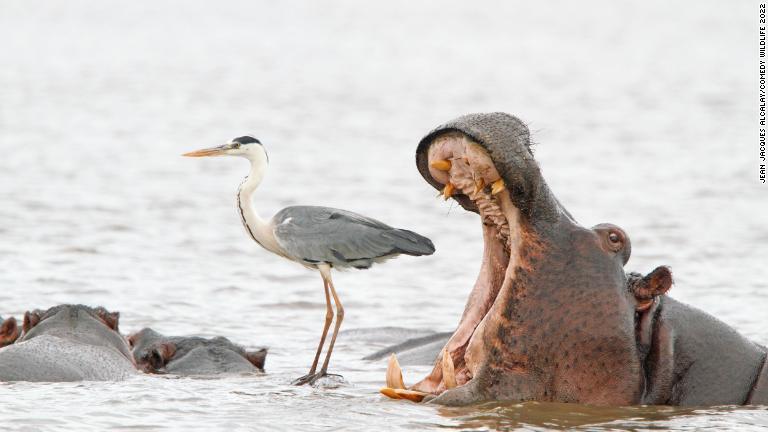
[
  {"x": 479, "y": 184},
  {"x": 449, "y": 374},
  {"x": 497, "y": 187},
  {"x": 394, "y": 373},
  {"x": 411, "y": 395},
  {"x": 442, "y": 165},
  {"x": 389, "y": 392},
  {"x": 448, "y": 190}
]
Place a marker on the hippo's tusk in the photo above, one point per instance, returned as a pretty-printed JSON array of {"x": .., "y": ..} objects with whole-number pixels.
[
  {"x": 449, "y": 374},
  {"x": 442, "y": 165},
  {"x": 411, "y": 395},
  {"x": 389, "y": 392},
  {"x": 497, "y": 187},
  {"x": 395, "y": 388},
  {"x": 394, "y": 374},
  {"x": 448, "y": 190}
]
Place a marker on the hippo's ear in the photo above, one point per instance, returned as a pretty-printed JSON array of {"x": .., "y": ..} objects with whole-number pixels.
[
  {"x": 9, "y": 332},
  {"x": 257, "y": 358},
  {"x": 652, "y": 285},
  {"x": 132, "y": 338},
  {"x": 31, "y": 319},
  {"x": 111, "y": 319}
]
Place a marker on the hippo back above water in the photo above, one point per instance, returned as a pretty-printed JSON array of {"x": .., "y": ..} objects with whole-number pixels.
[
  {"x": 192, "y": 355},
  {"x": 68, "y": 343}
]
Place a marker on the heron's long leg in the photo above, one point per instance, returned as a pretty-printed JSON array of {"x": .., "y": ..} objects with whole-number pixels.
[
  {"x": 326, "y": 326},
  {"x": 326, "y": 271}
]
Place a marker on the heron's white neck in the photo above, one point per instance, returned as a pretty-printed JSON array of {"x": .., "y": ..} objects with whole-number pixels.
[{"x": 257, "y": 228}]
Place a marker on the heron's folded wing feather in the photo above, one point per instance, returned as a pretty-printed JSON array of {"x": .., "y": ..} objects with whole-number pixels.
[{"x": 323, "y": 234}]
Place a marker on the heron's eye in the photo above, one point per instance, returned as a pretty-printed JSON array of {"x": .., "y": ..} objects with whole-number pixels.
[{"x": 236, "y": 145}]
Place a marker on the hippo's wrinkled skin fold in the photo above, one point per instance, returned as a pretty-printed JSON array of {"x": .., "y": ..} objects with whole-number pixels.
[
  {"x": 191, "y": 355},
  {"x": 68, "y": 343},
  {"x": 553, "y": 315},
  {"x": 9, "y": 331}
]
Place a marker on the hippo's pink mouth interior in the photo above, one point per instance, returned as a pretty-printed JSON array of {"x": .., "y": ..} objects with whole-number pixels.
[{"x": 465, "y": 167}]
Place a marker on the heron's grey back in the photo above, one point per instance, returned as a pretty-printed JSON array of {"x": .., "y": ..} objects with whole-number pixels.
[{"x": 314, "y": 235}]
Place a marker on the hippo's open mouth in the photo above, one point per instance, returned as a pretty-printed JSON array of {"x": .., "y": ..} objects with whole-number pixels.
[
  {"x": 465, "y": 170},
  {"x": 552, "y": 316}
]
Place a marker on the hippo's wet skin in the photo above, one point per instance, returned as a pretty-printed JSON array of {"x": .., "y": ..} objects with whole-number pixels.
[
  {"x": 68, "y": 343},
  {"x": 553, "y": 316},
  {"x": 155, "y": 353}
]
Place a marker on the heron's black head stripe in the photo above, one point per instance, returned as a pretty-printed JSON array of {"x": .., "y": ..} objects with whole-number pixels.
[{"x": 246, "y": 140}]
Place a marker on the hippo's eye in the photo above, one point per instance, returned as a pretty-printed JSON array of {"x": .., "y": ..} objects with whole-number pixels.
[{"x": 614, "y": 237}]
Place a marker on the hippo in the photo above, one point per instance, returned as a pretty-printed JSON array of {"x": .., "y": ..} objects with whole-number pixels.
[
  {"x": 9, "y": 331},
  {"x": 419, "y": 350},
  {"x": 553, "y": 315},
  {"x": 191, "y": 355},
  {"x": 68, "y": 343}
]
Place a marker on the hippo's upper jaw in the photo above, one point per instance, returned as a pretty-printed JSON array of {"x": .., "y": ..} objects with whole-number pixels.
[
  {"x": 504, "y": 142},
  {"x": 526, "y": 322}
]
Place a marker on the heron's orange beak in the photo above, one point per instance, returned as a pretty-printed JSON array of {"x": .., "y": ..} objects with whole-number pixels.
[{"x": 213, "y": 151}]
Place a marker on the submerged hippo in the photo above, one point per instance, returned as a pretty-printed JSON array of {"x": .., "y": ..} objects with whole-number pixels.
[
  {"x": 68, "y": 343},
  {"x": 155, "y": 353},
  {"x": 553, "y": 316},
  {"x": 9, "y": 331}
]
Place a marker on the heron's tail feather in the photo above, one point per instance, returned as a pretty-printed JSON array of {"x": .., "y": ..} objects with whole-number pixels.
[{"x": 410, "y": 243}]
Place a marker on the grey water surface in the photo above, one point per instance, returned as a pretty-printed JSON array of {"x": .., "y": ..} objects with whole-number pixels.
[{"x": 644, "y": 114}]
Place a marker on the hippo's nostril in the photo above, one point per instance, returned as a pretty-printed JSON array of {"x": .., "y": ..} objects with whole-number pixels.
[{"x": 155, "y": 360}]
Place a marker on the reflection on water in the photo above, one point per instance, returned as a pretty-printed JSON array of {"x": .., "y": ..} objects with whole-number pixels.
[
  {"x": 542, "y": 416},
  {"x": 641, "y": 110}
]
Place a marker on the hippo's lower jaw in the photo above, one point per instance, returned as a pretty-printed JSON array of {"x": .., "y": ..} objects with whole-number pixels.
[{"x": 466, "y": 168}]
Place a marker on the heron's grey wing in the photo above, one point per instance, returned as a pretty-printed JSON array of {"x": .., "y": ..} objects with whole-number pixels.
[{"x": 342, "y": 238}]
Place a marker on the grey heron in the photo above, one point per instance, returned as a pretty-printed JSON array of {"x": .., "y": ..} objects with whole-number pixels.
[{"x": 319, "y": 238}]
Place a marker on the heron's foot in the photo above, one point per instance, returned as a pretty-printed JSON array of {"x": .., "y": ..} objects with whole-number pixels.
[
  {"x": 313, "y": 378},
  {"x": 306, "y": 379}
]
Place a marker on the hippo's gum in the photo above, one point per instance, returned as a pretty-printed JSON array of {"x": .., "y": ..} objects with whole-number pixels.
[{"x": 472, "y": 173}]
